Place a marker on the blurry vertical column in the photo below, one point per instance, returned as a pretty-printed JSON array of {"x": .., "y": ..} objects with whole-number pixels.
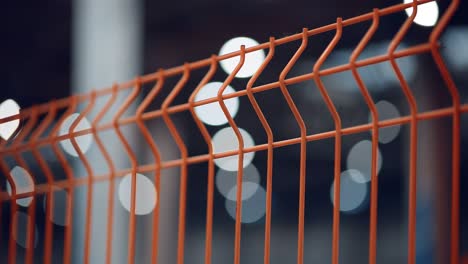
[
  {"x": 433, "y": 171},
  {"x": 107, "y": 40}
]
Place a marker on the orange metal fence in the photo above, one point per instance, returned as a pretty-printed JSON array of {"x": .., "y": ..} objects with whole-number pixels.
[{"x": 33, "y": 135}]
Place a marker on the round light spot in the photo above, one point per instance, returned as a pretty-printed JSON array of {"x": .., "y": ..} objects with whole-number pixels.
[
  {"x": 59, "y": 206},
  {"x": 427, "y": 14},
  {"x": 211, "y": 113},
  {"x": 456, "y": 37},
  {"x": 21, "y": 234},
  {"x": 9, "y": 108},
  {"x": 23, "y": 183},
  {"x": 227, "y": 180},
  {"x": 248, "y": 190},
  {"x": 253, "y": 209},
  {"x": 359, "y": 158},
  {"x": 253, "y": 60},
  {"x": 225, "y": 140},
  {"x": 353, "y": 193},
  {"x": 387, "y": 110},
  {"x": 84, "y": 141},
  {"x": 145, "y": 194}
]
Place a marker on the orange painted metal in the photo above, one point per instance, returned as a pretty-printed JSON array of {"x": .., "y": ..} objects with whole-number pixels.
[
  {"x": 413, "y": 132},
  {"x": 133, "y": 171},
  {"x": 206, "y": 136},
  {"x": 302, "y": 127},
  {"x": 269, "y": 133},
  {"x": 50, "y": 179},
  {"x": 69, "y": 174},
  {"x": 337, "y": 121},
  {"x": 375, "y": 134},
  {"x": 183, "y": 167},
  {"x": 31, "y": 138},
  {"x": 110, "y": 164},
  {"x": 240, "y": 164},
  {"x": 157, "y": 159},
  {"x": 456, "y": 123}
]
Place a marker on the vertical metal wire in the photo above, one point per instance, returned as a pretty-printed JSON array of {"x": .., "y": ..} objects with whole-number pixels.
[
  {"x": 110, "y": 164},
  {"x": 301, "y": 124},
  {"x": 31, "y": 212},
  {"x": 375, "y": 134},
  {"x": 240, "y": 164},
  {"x": 9, "y": 178},
  {"x": 134, "y": 164},
  {"x": 269, "y": 132},
  {"x": 413, "y": 133},
  {"x": 50, "y": 179},
  {"x": 14, "y": 207},
  {"x": 35, "y": 142},
  {"x": 206, "y": 136},
  {"x": 456, "y": 127},
  {"x": 337, "y": 120},
  {"x": 184, "y": 155},
  {"x": 6, "y": 172},
  {"x": 157, "y": 159},
  {"x": 69, "y": 175},
  {"x": 90, "y": 176}
]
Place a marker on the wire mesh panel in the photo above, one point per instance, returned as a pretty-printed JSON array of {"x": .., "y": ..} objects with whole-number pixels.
[{"x": 68, "y": 125}]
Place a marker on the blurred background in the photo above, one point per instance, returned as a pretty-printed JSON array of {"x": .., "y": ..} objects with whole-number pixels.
[{"x": 55, "y": 48}]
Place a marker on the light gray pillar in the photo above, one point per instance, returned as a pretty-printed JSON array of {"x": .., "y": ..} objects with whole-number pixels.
[{"x": 107, "y": 48}]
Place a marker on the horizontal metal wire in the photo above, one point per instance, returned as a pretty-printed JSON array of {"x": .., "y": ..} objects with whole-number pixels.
[
  {"x": 35, "y": 128},
  {"x": 83, "y": 179}
]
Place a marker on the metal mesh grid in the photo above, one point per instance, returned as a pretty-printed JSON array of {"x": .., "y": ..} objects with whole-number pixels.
[{"x": 34, "y": 135}]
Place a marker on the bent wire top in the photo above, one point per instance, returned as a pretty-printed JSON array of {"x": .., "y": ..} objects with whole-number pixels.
[{"x": 33, "y": 136}]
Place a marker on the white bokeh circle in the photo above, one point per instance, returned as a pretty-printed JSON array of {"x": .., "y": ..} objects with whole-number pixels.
[
  {"x": 253, "y": 60},
  {"x": 427, "y": 13},
  {"x": 146, "y": 194},
  {"x": 23, "y": 183},
  {"x": 225, "y": 140},
  {"x": 227, "y": 180},
  {"x": 359, "y": 158},
  {"x": 248, "y": 190},
  {"x": 353, "y": 191},
  {"x": 83, "y": 141},
  {"x": 253, "y": 209},
  {"x": 212, "y": 113},
  {"x": 9, "y": 108},
  {"x": 387, "y": 110}
]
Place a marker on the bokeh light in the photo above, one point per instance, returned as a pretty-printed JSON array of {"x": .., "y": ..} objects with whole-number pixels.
[
  {"x": 353, "y": 191},
  {"x": 83, "y": 141},
  {"x": 23, "y": 183},
  {"x": 59, "y": 206},
  {"x": 387, "y": 110},
  {"x": 225, "y": 140},
  {"x": 456, "y": 38},
  {"x": 146, "y": 196},
  {"x": 253, "y": 209},
  {"x": 427, "y": 14},
  {"x": 21, "y": 234},
  {"x": 9, "y": 108},
  {"x": 226, "y": 180},
  {"x": 248, "y": 190},
  {"x": 359, "y": 158},
  {"x": 253, "y": 60},
  {"x": 211, "y": 113}
]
